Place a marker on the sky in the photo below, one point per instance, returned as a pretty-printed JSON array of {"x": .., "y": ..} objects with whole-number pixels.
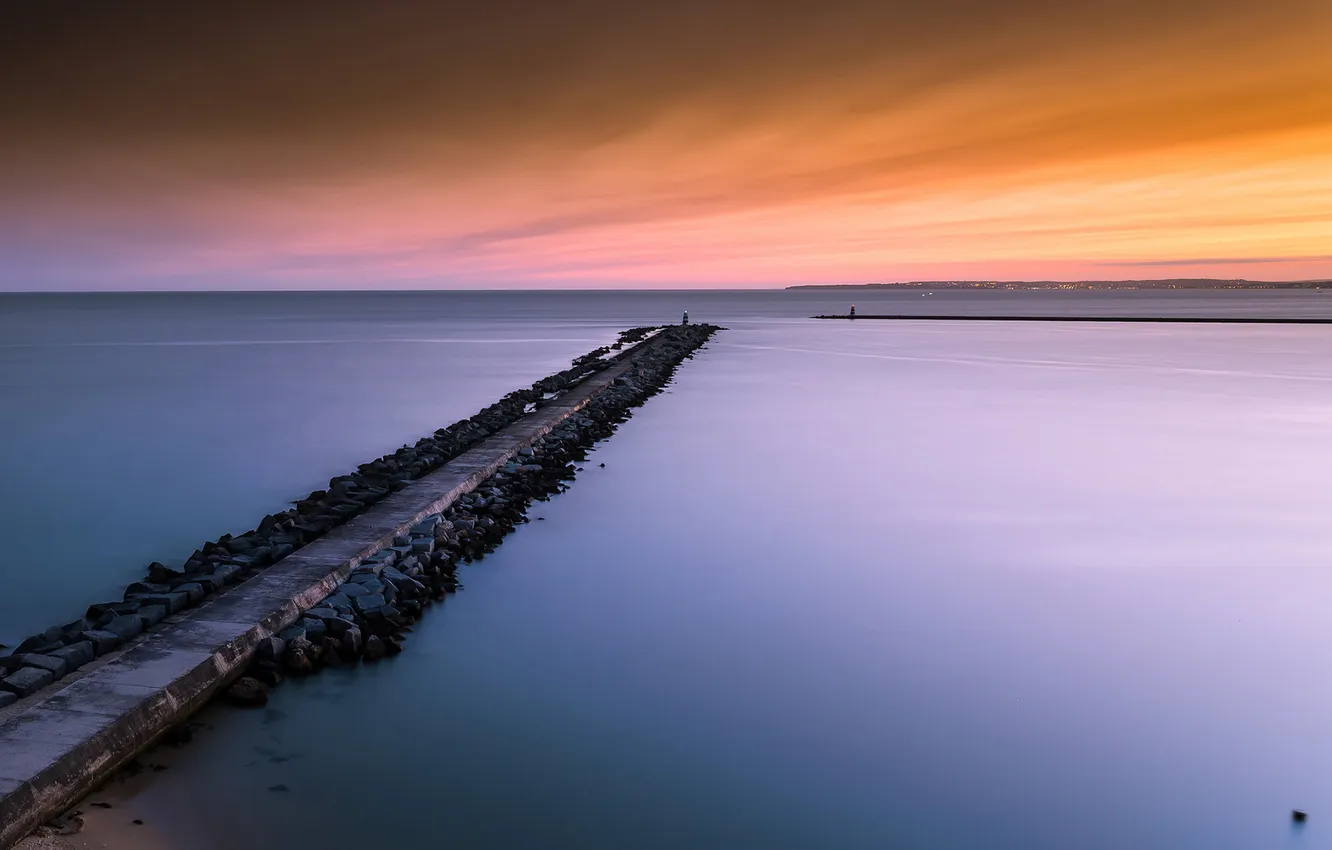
[{"x": 508, "y": 143}]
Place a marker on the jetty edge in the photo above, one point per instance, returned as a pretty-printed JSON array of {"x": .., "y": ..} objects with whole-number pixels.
[
  {"x": 64, "y": 741},
  {"x": 1185, "y": 320}
]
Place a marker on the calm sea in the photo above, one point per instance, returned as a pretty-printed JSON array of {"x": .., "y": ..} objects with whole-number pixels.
[{"x": 922, "y": 586}]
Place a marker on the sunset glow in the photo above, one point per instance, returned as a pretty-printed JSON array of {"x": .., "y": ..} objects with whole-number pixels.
[{"x": 760, "y": 146}]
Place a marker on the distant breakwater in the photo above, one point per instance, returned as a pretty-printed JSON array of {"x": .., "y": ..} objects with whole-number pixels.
[
  {"x": 368, "y": 556},
  {"x": 1187, "y": 320}
]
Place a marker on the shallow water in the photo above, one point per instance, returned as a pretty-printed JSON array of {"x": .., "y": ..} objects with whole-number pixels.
[{"x": 913, "y": 586}]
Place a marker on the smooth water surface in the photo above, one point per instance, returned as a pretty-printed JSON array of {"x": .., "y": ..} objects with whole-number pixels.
[
  {"x": 936, "y": 586},
  {"x": 137, "y": 426}
]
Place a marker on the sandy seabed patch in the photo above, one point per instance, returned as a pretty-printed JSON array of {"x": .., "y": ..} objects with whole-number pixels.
[{"x": 105, "y": 819}]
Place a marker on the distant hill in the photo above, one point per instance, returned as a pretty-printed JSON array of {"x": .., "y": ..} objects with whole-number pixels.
[{"x": 1170, "y": 283}]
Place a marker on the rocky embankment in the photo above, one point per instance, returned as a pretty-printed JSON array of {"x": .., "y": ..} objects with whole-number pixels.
[{"x": 366, "y": 616}]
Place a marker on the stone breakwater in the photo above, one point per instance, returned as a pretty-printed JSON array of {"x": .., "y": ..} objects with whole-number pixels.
[
  {"x": 1179, "y": 320},
  {"x": 59, "y": 743},
  {"x": 41, "y": 659},
  {"x": 366, "y": 618}
]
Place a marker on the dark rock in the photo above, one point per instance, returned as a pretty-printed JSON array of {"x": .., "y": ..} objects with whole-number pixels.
[
  {"x": 338, "y": 626},
  {"x": 427, "y": 526},
  {"x": 302, "y": 644},
  {"x": 299, "y": 657},
  {"x": 393, "y": 645},
  {"x": 37, "y": 643},
  {"x": 292, "y": 632},
  {"x": 338, "y": 602},
  {"x": 248, "y": 692},
  {"x": 392, "y": 574},
  {"x": 369, "y": 602},
  {"x": 300, "y": 662},
  {"x": 56, "y": 666},
  {"x": 9, "y": 663},
  {"x": 125, "y": 627},
  {"x": 248, "y": 560},
  {"x": 75, "y": 655},
  {"x": 70, "y": 631},
  {"x": 194, "y": 590},
  {"x": 406, "y": 586},
  {"x": 314, "y": 629},
  {"x": 26, "y": 681},
  {"x": 373, "y": 623},
  {"x": 1299, "y": 816},
  {"x": 423, "y": 545},
  {"x": 352, "y": 642},
  {"x": 374, "y": 648},
  {"x": 329, "y": 654},
  {"x": 173, "y": 602},
  {"x": 151, "y": 615},
  {"x": 271, "y": 648},
  {"x": 240, "y": 544},
  {"x": 99, "y": 610},
  {"x": 161, "y": 574},
  {"x": 208, "y": 583},
  {"x": 99, "y": 621},
  {"x": 268, "y": 673},
  {"x": 145, "y": 588},
  {"x": 321, "y": 613},
  {"x": 7, "y": 698},
  {"x": 227, "y": 574},
  {"x": 352, "y": 590},
  {"x": 102, "y": 642}
]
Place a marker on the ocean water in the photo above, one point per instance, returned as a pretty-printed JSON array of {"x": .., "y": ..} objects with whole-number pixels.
[{"x": 936, "y": 586}]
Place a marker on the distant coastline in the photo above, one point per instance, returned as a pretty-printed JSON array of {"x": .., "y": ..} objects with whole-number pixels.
[{"x": 1171, "y": 283}]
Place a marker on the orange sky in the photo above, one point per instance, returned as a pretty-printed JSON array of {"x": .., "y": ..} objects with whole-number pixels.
[{"x": 593, "y": 144}]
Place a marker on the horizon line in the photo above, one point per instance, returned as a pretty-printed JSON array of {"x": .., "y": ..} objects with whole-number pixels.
[{"x": 772, "y": 288}]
